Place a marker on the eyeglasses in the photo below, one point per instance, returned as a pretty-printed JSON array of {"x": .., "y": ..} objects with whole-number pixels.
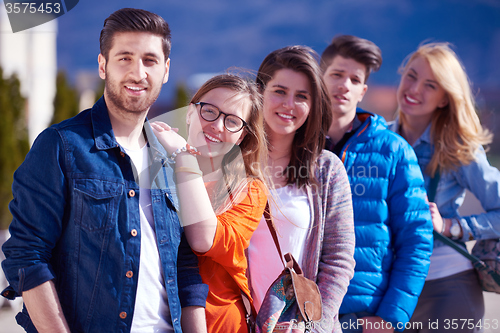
[{"x": 211, "y": 113}]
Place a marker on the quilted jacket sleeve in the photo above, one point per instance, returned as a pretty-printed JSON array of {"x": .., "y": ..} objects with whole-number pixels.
[{"x": 411, "y": 230}]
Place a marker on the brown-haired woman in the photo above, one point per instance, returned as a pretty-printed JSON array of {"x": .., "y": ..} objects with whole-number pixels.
[{"x": 311, "y": 205}]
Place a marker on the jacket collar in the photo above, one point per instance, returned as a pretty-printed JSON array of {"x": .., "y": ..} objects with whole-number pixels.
[
  {"x": 105, "y": 138},
  {"x": 158, "y": 153},
  {"x": 424, "y": 138},
  {"x": 371, "y": 124},
  {"x": 101, "y": 125}
]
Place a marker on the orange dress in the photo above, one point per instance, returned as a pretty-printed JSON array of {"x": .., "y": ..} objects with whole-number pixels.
[{"x": 224, "y": 266}]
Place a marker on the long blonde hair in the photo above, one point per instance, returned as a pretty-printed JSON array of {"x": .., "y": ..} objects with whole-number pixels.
[
  {"x": 456, "y": 131},
  {"x": 244, "y": 162}
]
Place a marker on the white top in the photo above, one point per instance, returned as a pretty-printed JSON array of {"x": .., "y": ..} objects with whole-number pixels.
[
  {"x": 151, "y": 312},
  {"x": 446, "y": 261},
  {"x": 292, "y": 221}
]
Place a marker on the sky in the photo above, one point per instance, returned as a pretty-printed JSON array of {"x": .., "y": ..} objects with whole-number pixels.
[{"x": 211, "y": 36}]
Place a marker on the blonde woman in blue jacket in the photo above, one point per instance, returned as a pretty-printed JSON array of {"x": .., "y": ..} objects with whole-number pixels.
[{"x": 437, "y": 116}]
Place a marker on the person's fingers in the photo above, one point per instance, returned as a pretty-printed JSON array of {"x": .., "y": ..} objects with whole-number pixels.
[
  {"x": 166, "y": 126},
  {"x": 161, "y": 126},
  {"x": 156, "y": 127}
]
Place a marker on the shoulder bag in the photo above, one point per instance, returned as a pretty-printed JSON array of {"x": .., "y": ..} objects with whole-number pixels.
[{"x": 278, "y": 312}]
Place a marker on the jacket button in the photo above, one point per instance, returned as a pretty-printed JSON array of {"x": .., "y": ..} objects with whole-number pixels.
[
  {"x": 129, "y": 274},
  {"x": 131, "y": 193},
  {"x": 133, "y": 232},
  {"x": 9, "y": 294},
  {"x": 122, "y": 154},
  {"x": 123, "y": 315}
]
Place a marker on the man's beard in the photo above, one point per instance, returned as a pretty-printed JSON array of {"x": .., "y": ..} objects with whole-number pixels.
[{"x": 130, "y": 103}]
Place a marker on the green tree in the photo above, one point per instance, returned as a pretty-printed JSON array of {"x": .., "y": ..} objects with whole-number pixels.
[
  {"x": 182, "y": 96},
  {"x": 14, "y": 141},
  {"x": 66, "y": 102},
  {"x": 176, "y": 117},
  {"x": 100, "y": 90}
]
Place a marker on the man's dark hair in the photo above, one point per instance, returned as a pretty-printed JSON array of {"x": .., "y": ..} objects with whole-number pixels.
[
  {"x": 134, "y": 20},
  {"x": 351, "y": 47}
]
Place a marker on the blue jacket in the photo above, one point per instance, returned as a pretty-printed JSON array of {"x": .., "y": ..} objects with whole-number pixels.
[
  {"x": 479, "y": 177},
  {"x": 76, "y": 221},
  {"x": 392, "y": 223}
]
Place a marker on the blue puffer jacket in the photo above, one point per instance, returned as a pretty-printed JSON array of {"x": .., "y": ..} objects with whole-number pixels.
[{"x": 392, "y": 223}]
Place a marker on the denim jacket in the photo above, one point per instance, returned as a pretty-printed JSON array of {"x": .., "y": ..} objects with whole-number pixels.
[
  {"x": 76, "y": 221},
  {"x": 479, "y": 177}
]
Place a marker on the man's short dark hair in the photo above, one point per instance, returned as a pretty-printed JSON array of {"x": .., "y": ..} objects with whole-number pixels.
[
  {"x": 134, "y": 20},
  {"x": 351, "y": 47}
]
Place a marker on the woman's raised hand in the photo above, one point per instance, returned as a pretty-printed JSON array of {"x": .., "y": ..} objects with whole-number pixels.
[{"x": 168, "y": 136}]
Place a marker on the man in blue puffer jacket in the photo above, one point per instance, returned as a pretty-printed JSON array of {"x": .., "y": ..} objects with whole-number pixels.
[{"x": 391, "y": 216}]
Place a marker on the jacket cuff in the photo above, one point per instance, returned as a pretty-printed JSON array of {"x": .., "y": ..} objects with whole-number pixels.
[
  {"x": 10, "y": 293},
  {"x": 467, "y": 234},
  {"x": 33, "y": 276},
  {"x": 193, "y": 295},
  {"x": 395, "y": 315}
]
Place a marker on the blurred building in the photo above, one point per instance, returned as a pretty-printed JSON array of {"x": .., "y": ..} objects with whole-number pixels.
[
  {"x": 31, "y": 54},
  {"x": 87, "y": 84},
  {"x": 380, "y": 100}
]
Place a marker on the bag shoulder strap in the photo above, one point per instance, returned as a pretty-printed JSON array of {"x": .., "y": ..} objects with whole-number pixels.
[
  {"x": 476, "y": 262},
  {"x": 458, "y": 248},
  {"x": 431, "y": 192},
  {"x": 249, "y": 310},
  {"x": 290, "y": 263},
  {"x": 270, "y": 225}
]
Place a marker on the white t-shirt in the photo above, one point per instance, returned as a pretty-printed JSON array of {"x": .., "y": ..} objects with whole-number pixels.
[
  {"x": 446, "y": 261},
  {"x": 151, "y": 312},
  {"x": 292, "y": 218}
]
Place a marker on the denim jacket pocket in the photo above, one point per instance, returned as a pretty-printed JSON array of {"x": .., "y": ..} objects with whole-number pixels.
[{"x": 96, "y": 201}]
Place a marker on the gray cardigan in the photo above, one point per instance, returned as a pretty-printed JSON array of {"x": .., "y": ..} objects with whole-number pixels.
[{"x": 330, "y": 243}]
